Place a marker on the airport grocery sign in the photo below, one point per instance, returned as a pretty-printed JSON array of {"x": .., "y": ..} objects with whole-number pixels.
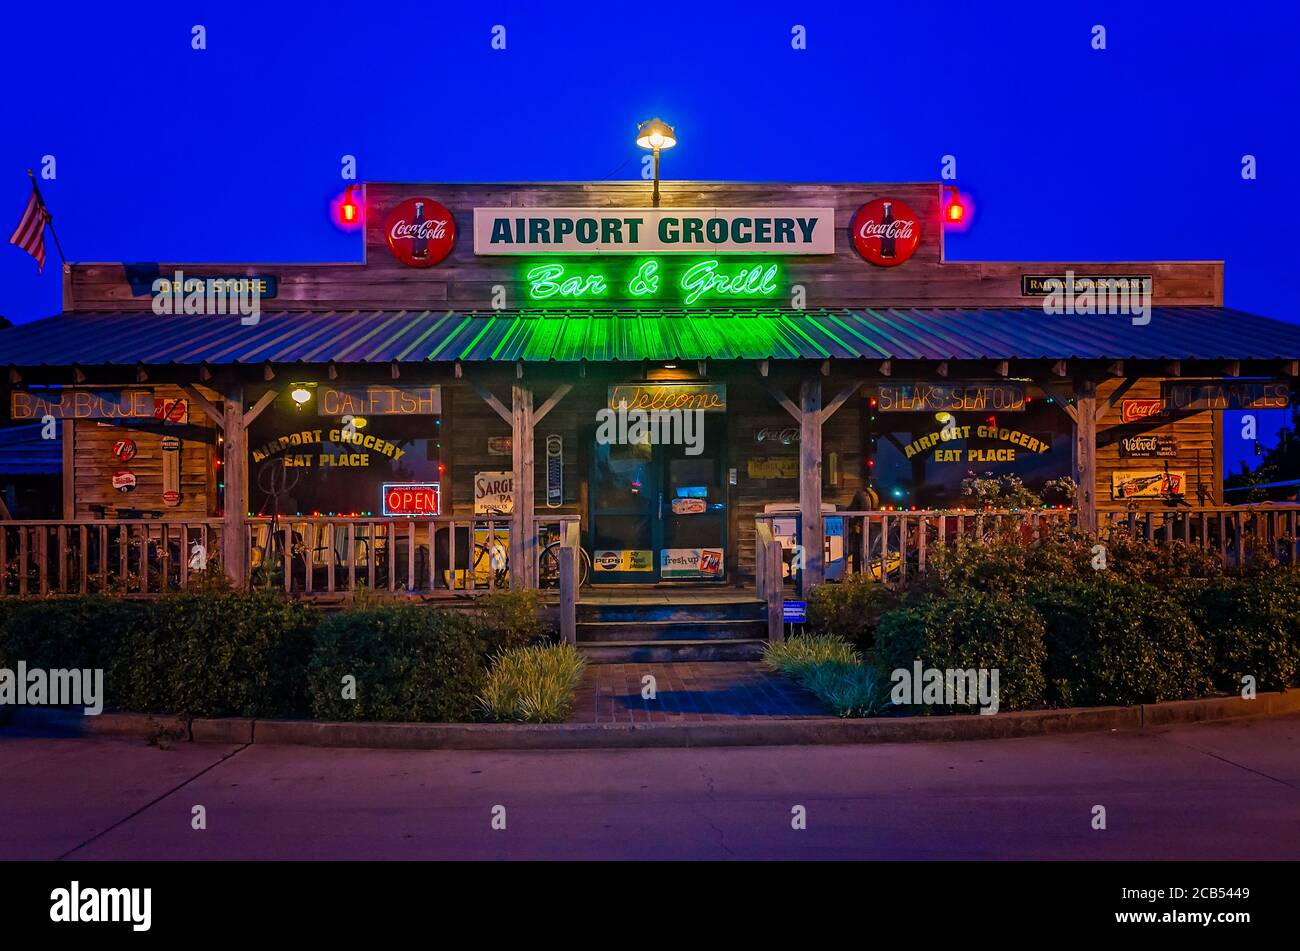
[{"x": 654, "y": 230}]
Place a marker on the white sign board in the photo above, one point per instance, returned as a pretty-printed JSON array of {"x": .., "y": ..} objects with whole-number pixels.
[
  {"x": 654, "y": 230},
  {"x": 494, "y": 493}
]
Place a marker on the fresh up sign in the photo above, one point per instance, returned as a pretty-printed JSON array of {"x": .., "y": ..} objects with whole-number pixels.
[{"x": 654, "y": 230}]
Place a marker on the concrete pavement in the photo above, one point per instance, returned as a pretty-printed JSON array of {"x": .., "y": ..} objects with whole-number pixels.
[{"x": 1222, "y": 790}]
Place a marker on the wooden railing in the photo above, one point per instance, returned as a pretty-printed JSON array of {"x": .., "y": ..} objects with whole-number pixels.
[
  {"x": 430, "y": 556},
  {"x": 891, "y": 547},
  {"x": 109, "y": 556}
]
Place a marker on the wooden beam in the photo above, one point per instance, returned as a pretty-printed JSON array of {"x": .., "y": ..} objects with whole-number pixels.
[
  {"x": 942, "y": 368},
  {"x": 840, "y": 399},
  {"x": 77, "y": 375},
  {"x": 1002, "y": 368},
  {"x": 268, "y": 373},
  {"x": 810, "y": 482},
  {"x": 887, "y": 368},
  {"x": 1115, "y": 396},
  {"x": 459, "y": 370},
  {"x": 762, "y": 368},
  {"x": 15, "y": 377},
  {"x": 213, "y": 412},
  {"x": 826, "y": 368},
  {"x": 549, "y": 405},
  {"x": 486, "y": 396},
  {"x": 395, "y": 370},
  {"x": 140, "y": 375},
  {"x": 519, "y": 370},
  {"x": 1174, "y": 368},
  {"x": 1291, "y": 367},
  {"x": 332, "y": 371},
  {"x": 786, "y": 403},
  {"x": 1085, "y": 452},
  {"x": 234, "y": 454},
  {"x": 523, "y": 531},
  {"x": 69, "y": 470},
  {"x": 1116, "y": 368},
  {"x": 702, "y": 367},
  {"x": 262, "y": 403},
  {"x": 1060, "y": 397},
  {"x": 205, "y": 372},
  {"x": 1059, "y": 368},
  {"x": 1232, "y": 368}
]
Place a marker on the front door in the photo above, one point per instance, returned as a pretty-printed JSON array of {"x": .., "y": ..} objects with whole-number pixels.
[{"x": 659, "y": 512}]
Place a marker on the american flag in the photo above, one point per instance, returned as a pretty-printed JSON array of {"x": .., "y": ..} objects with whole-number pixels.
[{"x": 30, "y": 233}]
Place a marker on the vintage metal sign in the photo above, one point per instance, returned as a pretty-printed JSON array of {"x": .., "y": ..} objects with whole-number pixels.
[
  {"x": 886, "y": 231},
  {"x": 1043, "y": 285},
  {"x": 772, "y": 467},
  {"x": 1133, "y": 411},
  {"x": 379, "y": 400},
  {"x": 689, "y": 506},
  {"x": 1147, "y": 484},
  {"x": 500, "y": 446},
  {"x": 494, "y": 493},
  {"x": 407, "y": 498},
  {"x": 554, "y": 471},
  {"x": 1147, "y": 447},
  {"x": 654, "y": 230},
  {"x": 709, "y": 397},
  {"x": 690, "y": 562},
  {"x": 952, "y": 397},
  {"x": 1196, "y": 395},
  {"x": 635, "y": 559},
  {"x": 420, "y": 232},
  {"x": 124, "y": 450}
]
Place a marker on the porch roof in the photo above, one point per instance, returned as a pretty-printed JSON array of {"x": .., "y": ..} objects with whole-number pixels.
[{"x": 902, "y": 333}]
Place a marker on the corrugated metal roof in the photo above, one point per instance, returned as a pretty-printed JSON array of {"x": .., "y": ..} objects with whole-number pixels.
[{"x": 1173, "y": 333}]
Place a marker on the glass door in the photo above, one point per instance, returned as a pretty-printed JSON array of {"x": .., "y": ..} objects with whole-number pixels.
[
  {"x": 624, "y": 529},
  {"x": 693, "y": 512}
]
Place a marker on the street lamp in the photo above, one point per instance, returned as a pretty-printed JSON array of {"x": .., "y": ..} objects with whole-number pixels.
[{"x": 656, "y": 135}]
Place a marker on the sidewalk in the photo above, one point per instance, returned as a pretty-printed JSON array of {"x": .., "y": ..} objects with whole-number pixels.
[{"x": 690, "y": 693}]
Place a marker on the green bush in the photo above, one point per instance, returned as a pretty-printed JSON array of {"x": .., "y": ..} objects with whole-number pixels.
[
  {"x": 969, "y": 629},
  {"x": 511, "y": 617},
  {"x": 794, "y": 654},
  {"x": 533, "y": 684},
  {"x": 411, "y": 663},
  {"x": 1254, "y": 626},
  {"x": 1114, "y": 640},
  {"x": 850, "y": 608}
]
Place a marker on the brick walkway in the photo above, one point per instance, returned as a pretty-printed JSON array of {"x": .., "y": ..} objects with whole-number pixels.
[{"x": 690, "y": 693}]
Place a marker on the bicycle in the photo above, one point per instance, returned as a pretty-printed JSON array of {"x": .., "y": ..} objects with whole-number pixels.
[{"x": 497, "y": 559}]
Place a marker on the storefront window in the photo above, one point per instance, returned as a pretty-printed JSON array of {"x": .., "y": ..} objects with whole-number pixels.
[
  {"x": 305, "y": 464},
  {"x": 925, "y": 459}
]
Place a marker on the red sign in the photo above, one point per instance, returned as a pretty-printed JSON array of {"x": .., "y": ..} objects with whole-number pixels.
[
  {"x": 124, "y": 480},
  {"x": 172, "y": 497},
  {"x": 124, "y": 450},
  {"x": 420, "y": 232},
  {"x": 171, "y": 411},
  {"x": 1133, "y": 411},
  {"x": 422, "y": 499},
  {"x": 886, "y": 231}
]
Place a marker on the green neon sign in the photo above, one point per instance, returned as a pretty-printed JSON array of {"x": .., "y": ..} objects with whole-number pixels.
[{"x": 649, "y": 280}]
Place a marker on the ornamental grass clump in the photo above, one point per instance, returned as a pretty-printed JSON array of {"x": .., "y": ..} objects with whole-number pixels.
[
  {"x": 831, "y": 669},
  {"x": 533, "y": 684}
]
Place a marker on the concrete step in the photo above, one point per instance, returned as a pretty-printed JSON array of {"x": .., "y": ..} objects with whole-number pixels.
[
  {"x": 747, "y": 610},
  {"x": 685, "y": 630},
  {"x": 667, "y": 652}
]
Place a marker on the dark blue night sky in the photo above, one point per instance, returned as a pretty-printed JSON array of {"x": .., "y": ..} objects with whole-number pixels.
[{"x": 232, "y": 153}]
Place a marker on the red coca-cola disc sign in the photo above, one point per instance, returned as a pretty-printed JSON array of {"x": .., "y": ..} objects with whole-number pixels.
[
  {"x": 886, "y": 231},
  {"x": 420, "y": 232}
]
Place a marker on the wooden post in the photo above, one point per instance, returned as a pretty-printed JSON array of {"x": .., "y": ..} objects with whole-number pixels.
[
  {"x": 234, "y": 467},
  {"x": 568, "y": 597},
  {"x": 69, "y": 470},
  {"x": 523, "y": 531},
  {"x": 810, "y": 482},
  {"x": 775, "y": 593},
  {"x": 1085, "y": 452}
]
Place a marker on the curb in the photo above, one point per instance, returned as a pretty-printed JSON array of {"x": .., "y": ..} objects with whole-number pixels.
[{"x": 813, "y": 731}]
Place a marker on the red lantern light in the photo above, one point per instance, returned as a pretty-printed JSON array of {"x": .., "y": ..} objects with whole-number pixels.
[
  {"x": 955, "y": 212},
  {"x": 348, "y": 210}
]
